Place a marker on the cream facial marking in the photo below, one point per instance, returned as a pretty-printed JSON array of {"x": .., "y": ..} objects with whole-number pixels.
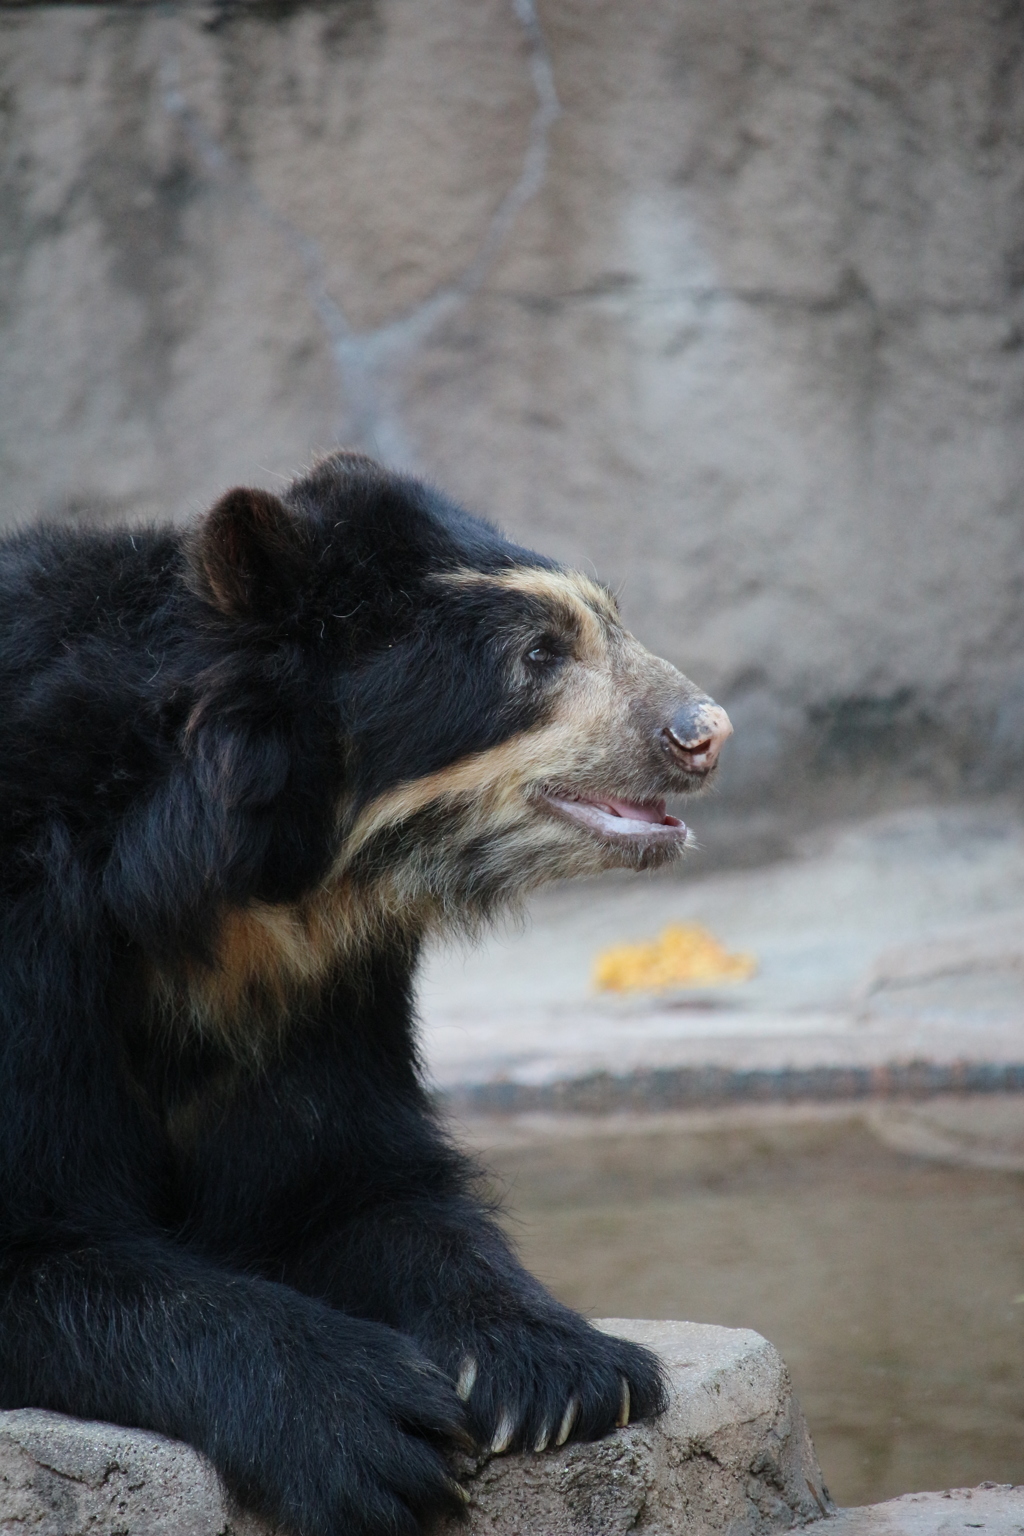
[
  {"x": 580, "y": 792},
  {"x": 571, "y": 597},
  {"x": 541, "y": 581},
  {"x": 586, "y": 764}
]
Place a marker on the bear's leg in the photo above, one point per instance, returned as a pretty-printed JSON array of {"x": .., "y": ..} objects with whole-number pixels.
[
  {"x": 532, "y": 1372},
  {"x": 332, "y": 1174},
  {"x": 385, "y": 1225},
  {"x": 323, "y": 1423}
]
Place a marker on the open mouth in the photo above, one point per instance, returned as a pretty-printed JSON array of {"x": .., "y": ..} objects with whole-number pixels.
[{"x": 626, "y": 820}]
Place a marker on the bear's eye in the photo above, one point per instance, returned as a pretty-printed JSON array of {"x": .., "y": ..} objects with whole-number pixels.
[{"x": 544, "y": 652}]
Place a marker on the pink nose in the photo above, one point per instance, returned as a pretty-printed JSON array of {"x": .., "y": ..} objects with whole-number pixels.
[{"x": 697, "y": 734}]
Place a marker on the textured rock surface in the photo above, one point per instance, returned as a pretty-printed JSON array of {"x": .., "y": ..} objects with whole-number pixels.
[
  {"x": 66, "y": 1477},
  {"x": 732, "y": 1454},
  {"x": 996, "y": 1509},
  {"x": 729, "y": 302}
]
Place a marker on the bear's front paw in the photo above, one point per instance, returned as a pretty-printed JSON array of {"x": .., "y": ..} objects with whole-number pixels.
[
  {"x": 533, "y": 1383},
  {"x": 355, "y": 1439}
]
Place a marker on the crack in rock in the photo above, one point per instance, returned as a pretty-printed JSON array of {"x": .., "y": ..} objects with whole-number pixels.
[{"x": 369, "y": 364}]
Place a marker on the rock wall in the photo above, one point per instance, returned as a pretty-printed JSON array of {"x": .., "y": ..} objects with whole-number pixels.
[{"x": 726, "y": 302}]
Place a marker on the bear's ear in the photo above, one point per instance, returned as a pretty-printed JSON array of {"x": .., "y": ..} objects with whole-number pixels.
[{"x": 246, "y": 555}]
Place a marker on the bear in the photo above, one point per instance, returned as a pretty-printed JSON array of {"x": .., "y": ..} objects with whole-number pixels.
[{"x": 248, "y": 766}]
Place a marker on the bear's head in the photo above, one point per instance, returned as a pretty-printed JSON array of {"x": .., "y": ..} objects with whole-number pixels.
[{"x": 493, "y": 723}]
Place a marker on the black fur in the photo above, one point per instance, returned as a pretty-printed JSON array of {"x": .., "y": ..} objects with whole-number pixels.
[{"x": 283, "y": 1261}]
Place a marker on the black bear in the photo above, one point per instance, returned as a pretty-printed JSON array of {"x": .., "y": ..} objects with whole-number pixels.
[{"x": 245, "y": 768}]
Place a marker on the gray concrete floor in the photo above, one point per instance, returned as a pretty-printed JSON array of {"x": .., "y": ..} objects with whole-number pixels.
[{"x": 895, "y": 939}]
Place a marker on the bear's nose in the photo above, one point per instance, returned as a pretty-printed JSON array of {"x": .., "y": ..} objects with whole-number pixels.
[{"x": 696, "y": 735}]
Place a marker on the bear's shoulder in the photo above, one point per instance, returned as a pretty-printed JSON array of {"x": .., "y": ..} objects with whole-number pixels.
[{"x": 58, "y": 583}]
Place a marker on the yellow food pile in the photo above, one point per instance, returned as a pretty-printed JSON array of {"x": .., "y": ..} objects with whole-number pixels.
[{"x": 683, "y": 955}]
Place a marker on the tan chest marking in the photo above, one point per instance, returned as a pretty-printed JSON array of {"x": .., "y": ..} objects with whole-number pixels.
[{"x": 268, "y": 961}]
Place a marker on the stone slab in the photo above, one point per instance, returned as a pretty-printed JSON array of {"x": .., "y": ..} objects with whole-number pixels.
[
  {"x": 69, "y": 1477},
  {"x": 732, "y": 1454}
]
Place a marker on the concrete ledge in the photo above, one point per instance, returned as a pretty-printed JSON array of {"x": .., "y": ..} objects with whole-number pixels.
[
  {"x": 732, "y": 1454},
  {"x": 654, "y": 1089},
  {"x": 995, "y": 1508}
]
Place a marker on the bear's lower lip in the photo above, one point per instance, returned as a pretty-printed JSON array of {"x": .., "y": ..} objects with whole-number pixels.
[{"x": 627, "y": 820}]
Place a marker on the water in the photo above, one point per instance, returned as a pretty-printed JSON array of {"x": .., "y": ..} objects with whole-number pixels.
[{"x": 892, "y": 1283}]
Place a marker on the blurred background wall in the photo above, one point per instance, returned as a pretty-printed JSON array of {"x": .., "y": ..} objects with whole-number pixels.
[{"x": 725, "y": 301}]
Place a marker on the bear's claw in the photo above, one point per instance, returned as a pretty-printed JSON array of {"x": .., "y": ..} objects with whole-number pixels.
[
  {"x": 572, "y": 1409},
  {"x": 467, "y": 1377},
  {"x": 503, "y": 1434}
]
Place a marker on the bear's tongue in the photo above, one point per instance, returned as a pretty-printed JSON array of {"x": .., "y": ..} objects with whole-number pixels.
[
  {"x": 628, "y": 819},
  {"x": 632, "y": 810}
]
